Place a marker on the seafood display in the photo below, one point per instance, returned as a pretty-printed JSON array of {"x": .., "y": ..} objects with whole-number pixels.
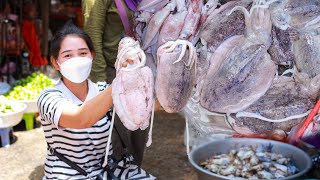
[
  {"x": 252, "y": 64},
  {"x": 251, "y": 163}
]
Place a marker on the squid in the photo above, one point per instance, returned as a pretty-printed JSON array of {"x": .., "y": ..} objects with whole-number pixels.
[
  {"x": 133, "y": 87},
  {"x": 175, "y": 74}
]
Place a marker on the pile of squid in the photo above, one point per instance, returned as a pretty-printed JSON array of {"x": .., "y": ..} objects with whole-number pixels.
[
  {"x": 250, "y": 163},
  {"x": 252, "y": 62}
]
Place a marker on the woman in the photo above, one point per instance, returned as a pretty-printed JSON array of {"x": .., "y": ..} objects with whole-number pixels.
[{"x": 75, "y": 113}]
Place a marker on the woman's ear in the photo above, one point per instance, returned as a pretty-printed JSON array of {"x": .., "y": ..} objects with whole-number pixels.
[
  {"x": 93, "y": 54},
  {"x": 54, "y": 63}
]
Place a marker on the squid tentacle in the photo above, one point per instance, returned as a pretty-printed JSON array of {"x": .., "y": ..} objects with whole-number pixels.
[
  {"x": 240, "y": 8},
  {"x": 173, "y": 45},
  {"x": 183, "y": 51},
  {"x": 139, "y": 64},
  {"x": 170, "y": 46},
  {"x": 126, "y": 46}
]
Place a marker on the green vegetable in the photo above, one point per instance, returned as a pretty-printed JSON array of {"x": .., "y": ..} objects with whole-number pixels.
[
  {"x": 5, "y": 108},
  {"x": 30, "y": 87}
]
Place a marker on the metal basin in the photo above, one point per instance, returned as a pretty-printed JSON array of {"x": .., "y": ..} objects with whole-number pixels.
[
  {"x": 198, "y": 154},
  {"x": 13, "y": 118}
]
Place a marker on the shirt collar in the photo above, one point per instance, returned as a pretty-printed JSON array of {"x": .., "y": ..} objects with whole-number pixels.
[{"x": 92, "y": 92}]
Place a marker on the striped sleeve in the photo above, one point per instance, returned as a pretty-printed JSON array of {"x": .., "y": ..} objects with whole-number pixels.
[{"x": 50, "y": 104}]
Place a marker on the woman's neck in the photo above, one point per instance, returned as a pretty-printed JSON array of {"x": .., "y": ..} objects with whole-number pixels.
[{"x": 80, "y": 90}]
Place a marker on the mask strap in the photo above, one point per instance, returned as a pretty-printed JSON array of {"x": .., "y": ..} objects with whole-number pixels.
[{"x": 59, "y": 65}]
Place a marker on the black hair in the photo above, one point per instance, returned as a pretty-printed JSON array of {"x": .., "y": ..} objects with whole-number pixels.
[{"x": 68, "y": 29}]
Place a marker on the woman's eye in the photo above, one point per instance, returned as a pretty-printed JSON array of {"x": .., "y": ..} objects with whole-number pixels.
[
  {"x": 67, "y": 56},
  {"x": 84, "y": 53}
]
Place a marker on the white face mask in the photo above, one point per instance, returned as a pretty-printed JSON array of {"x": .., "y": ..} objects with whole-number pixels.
[{"x": 76, "y": 69}]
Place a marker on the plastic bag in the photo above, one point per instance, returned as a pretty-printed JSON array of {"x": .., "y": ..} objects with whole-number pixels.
[
  {"x": 312, "y": 133},
  {"x": 307, "y": 133},
  {"x": 204, "y": 125}
]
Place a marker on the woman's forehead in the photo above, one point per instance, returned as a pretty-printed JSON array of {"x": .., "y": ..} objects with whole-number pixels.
[{"x": 73, "y": 43}]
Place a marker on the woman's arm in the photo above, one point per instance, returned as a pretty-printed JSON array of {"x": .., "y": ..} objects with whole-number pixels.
[{"x": 88, "y": 113}]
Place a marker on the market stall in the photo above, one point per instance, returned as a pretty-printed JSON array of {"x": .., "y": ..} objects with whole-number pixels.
[{"x": 25, "y": 34}]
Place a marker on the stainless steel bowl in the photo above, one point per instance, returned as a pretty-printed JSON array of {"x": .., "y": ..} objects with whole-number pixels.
[{"x": 198, "y": 154}]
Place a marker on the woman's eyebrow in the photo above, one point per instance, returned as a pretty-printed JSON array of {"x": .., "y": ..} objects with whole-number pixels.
[
  {"x": 83, "y": 49},
  {"x": 65, "y": 51}
]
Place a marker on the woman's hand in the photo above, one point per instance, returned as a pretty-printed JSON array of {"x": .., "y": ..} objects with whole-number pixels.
[{"x": 157, "y": 105}]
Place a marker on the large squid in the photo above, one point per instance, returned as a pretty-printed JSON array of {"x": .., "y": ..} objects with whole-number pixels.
[
  {"x": 192, "y": 23},
  {"x": 155, "y": 23},
  {"x": 219, "y": 26},
  {"x": 151, "y": 5},
  {"x": 175, "y": 74},
  {"x": 172, "y": 26},
  {"x": 133, "y": 87}
]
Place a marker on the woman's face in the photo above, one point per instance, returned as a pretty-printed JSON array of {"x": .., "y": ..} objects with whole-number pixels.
[{"x": 72, "y": 46}]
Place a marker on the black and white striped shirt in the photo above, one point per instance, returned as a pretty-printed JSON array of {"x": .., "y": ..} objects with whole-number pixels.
[{"x": 86, "y": 147}]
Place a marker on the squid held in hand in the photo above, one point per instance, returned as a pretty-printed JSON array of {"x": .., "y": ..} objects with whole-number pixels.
[{"x": 133, "y": 86}]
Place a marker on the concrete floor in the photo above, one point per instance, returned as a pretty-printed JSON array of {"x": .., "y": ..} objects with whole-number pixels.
[
  {"x": 24, "y": 159},
  {"x": 166, "y": 158}
]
